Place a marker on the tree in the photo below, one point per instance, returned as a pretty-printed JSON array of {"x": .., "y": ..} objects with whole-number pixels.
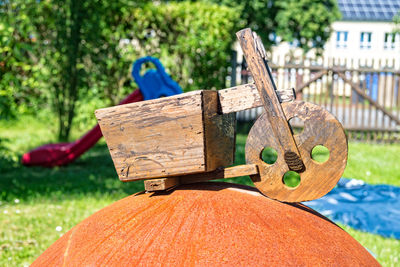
[
  {"x": 193, "y": 40},
  {"x": 76, "y": 51},
  {"x": 307, "y": 21},
  {"x": 53, "y": 49},
  {"x": 62, "y": 52},
  {"x": 396, "y": 20},
  {"x": 66, "y": 32}
]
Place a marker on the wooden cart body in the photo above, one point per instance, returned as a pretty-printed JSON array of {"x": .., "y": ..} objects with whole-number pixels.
[{"x": 181, "y": 134}]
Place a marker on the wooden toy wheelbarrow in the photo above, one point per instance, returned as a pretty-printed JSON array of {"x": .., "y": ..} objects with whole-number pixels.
[{"x": 191, "y": 137}]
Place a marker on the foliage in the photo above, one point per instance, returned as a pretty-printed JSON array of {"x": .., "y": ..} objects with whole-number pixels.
[
  {"x": 75, "y": 56},
  {"x": 193, "y": 40},
  {"x": 396, "y": 20},
  {"x": 17, "y": 82},
  {"x": 307, "y": 21},
  {"x": 111, "y": 60},
  {"x": 75, "y": 44},
  {"x": 70, "y": 53},
  {"x": 34, "y": 201},
  {"x": 304, "y": 21}
]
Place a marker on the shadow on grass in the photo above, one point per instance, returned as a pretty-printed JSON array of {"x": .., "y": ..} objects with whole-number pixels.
[{"x": 92, "y": 174}]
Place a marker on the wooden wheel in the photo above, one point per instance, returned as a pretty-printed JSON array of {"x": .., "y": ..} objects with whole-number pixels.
[{"x": 317, "y": 179}]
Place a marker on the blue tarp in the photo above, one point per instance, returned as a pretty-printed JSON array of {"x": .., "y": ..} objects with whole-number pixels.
[{"x": 369, "y": 208}]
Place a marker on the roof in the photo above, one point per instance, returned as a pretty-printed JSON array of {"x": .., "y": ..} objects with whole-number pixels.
[{"x": 368, "y": 10}]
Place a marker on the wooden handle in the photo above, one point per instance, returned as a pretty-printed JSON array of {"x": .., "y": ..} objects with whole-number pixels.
[{"x": 273, "y": 109}]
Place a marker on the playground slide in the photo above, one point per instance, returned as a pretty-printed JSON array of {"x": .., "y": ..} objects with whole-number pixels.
[
  {"x": 153, "y": 84},
  {"x": 51, "y": 155}
]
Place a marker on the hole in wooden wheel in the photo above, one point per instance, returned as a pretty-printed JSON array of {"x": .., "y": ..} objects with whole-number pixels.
[
  {"x": 291, "y": 179},
  {"x": 320, "y": 154},
  {"x": 269, "y": 155},
  {"x": 296, "y": 125}
]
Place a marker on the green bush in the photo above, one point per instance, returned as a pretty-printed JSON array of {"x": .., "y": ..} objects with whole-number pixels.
[
  {"x": 18, "y": 87},
  {"x": 193, "y": 40},
  {"x": 74, "y": 56}
]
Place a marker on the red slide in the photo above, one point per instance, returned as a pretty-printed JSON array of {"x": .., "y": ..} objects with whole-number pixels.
[{"x": 51, "y": 155}]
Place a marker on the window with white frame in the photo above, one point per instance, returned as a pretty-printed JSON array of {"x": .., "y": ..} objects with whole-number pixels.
[
  {"x": 365, "y": 40},
  {"x": 390, "y": 41},
  {"x": 341, "y": 39}
]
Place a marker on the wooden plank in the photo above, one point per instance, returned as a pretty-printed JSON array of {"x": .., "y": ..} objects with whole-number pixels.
[
  {"x": 321, "y": 91},
  {"x": 239, "y": 98},
  {"x": 350, "y": 120},
  {"x": 286, "y": 95},
  {"x": 343, "y": 102},
  {"x": 220, "y": 173},
  {"x": 375, "y": 104},
  {"x": 384, "y": 82},
  {"x": 334, "y": 68},
  {"x": 142, "y": 136},
  {"x": 327, "y": 90},
  {"x": 364, "y": 88},
  {"x": 315, "y": 91},
  {"x": 246, "y": 96},
  {"x": 160, "y": 184},
  {"x": 168, "y": 136},
  {"x": 303, "y": 85},
  {"x": 392, "y": 97},
  {"x": 370, "y": 129},
  {"x": 299, "y": 81},
  {"x": 336, "y": 94},
  {"x": 371, "y": 82},
  {"x": 219, "y": 133},
  {"x": 255, "y": 56}
]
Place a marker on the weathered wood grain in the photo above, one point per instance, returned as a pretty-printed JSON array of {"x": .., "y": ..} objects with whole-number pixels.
[
  {"x": 219, "y": 133},
  {"x": 316, "y": 77},
  {"x": 371, "y": 101},
  {"x": 220, "y": 173},
  {"x": 320, "y": 128},
  {"x": 246, "y": 96},
  {"x": 160, "y": 184},
  {"x": 168, "y": 136},
  {"x": 278, "y": 124},
  {"x": 239, "y": 98}
]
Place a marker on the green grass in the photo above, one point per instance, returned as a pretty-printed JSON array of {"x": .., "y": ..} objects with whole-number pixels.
[{"x": 38, "y": 205}]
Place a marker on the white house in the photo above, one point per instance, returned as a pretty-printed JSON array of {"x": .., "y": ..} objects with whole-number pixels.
[
  {"x": 361, "y": 40},
  {"x": 365, "y": 32}
]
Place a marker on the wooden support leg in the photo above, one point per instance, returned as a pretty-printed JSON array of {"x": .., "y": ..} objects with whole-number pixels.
[{"x": 160, "y": 184}]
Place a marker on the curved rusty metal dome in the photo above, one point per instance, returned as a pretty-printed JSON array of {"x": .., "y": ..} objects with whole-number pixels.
[{"x": 206, "y": 224}]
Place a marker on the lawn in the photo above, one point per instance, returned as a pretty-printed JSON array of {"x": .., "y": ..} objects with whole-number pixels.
[{"x": 38, "y": 205}]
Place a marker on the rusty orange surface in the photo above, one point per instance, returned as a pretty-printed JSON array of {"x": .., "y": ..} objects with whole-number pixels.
[{"x": 205, "y": 224}]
